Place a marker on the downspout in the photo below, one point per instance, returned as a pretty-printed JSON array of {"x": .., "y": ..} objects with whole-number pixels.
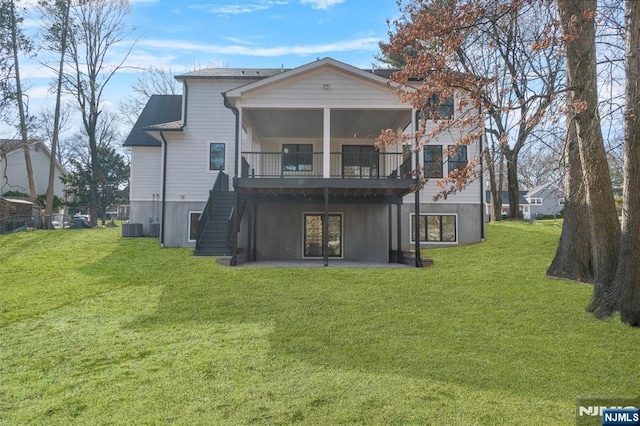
[
  {"x": 236, "y": 201},
  {"x": 482, "y": 191},
  {"x": 164, "y": 187},
  {"x": 186, "y": 102}
]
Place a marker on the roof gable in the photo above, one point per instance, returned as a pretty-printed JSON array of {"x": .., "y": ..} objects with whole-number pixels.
[
  {"x": 159, "y": 109},
  {"x": 293, "y": 74},
  {"x": 35, "y": 145}
]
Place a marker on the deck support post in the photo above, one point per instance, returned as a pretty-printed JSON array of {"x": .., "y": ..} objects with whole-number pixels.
[
  {"x": 250, "y": 231},
  {"x": 254, "y": 244},
  {"x": 417, "y": 225},
  {"x": 399, "y": 233},
  {"x": 390, "y": 211},
  {"x": 325, "y": 228}
]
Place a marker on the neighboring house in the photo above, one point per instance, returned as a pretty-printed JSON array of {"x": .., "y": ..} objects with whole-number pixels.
[
  {"x": 282, "y": 164},
  {"x": 543, "y": 200},
  {"x": 524, "y": 204},
  {"x": 13, "y": 169}
]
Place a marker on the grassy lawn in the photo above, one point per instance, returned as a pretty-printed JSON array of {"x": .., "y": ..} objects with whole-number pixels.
[{"x": 96, "y": 329}]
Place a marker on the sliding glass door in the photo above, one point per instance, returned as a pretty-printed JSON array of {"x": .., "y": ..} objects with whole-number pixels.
[{"x": 313, "y": 235}]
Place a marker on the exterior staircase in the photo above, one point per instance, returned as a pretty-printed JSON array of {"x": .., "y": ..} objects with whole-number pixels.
[
  {"x": 216, "y": 221},
  {"x": 214, "y": 238}
]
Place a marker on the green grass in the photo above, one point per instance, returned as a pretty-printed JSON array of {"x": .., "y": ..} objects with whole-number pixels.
[{"x": 96, "y": 329}]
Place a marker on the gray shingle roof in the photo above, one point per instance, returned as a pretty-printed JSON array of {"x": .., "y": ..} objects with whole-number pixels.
[
  {"x": 160, "y": 109},
  {"x": 235, "y": 73}
]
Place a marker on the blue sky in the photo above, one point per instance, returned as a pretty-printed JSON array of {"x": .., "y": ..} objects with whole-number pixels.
[
  {"x": 261, "y": 33},
  {"x": 183, "y": 35},
  {"x": 238, "y": 33}
]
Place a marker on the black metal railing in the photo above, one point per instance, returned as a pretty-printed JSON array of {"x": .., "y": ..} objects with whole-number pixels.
[
  {"x": 369, "y": 165},
  {"x": 281, "y": 164},
  {"x": 220, "y": 185}
]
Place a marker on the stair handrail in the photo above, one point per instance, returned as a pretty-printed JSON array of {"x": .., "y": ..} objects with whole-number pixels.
[
  {"x": 219, "y": 186},
  {"x": 241, "y": 205}
]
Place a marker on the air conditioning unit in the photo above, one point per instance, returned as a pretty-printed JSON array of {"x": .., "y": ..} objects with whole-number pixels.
[
  {"x": 154, "y": 230},
  {"x": 132, "y": 230}
]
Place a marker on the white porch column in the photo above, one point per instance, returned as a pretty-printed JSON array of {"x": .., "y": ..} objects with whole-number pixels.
[
  {"x": 250, "y": 148},
  {"x": 250, "y": 139},
  {"x": 239, "y": 159},
  {"x": 326, "y": 144}
]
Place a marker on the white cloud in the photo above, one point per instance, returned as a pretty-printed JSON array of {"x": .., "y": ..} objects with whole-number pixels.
[
  {"x": 321, "y": 4},
  {"x": 239, "y": 8},
  {"x": 367, "y": 43}
]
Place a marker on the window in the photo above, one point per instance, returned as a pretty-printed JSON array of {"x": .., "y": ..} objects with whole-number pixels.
[
  {"x": 313, "y": 235},
  {"x": 359, "y": 161},
  {"x": 433, "y": 161},
  {"x": 536, "y": 201},
  {"x": 297, "y": 157},
  {"x": 459, "y": 159},
  {"x": 216, "y": 156},
  {"x": 439, "y": 110},
  {"x": 561, "y": 201},
  {"x": 435, "y": 228},
  {"x": 194, "y": 218}
]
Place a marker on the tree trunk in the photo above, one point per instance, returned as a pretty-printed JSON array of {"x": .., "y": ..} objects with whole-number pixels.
[
  {"x": 23, "y": 118},
  {"x": 604, "y": 227},
  {"x": 512, "y": 184},
  {"x": 56, "y": 117},
  {"x": 628, "y": 273},
  {"x": 95, "y": 175},
  {"x": 496, "y": 200},
  {"x": 573, "y": 257}
]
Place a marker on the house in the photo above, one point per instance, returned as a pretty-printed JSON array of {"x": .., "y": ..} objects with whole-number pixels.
[
  {"x": 541, "y": 201},
  {"x": 13, "y": 169},
  {"x": 282, "y": 164},
  {"x": 522, "y": 201},
  {"x": 545, "y": 200},
  {"x": 146, "y": 175}
]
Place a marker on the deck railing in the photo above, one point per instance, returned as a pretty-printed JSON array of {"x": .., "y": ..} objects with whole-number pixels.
[{"x": 364, "y": 165}]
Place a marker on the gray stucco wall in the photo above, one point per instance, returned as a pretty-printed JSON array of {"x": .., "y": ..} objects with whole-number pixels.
[
  {"x": 469, "y": 223},
  {"x": 177, "y": 223},
  {"x": 280, "y": 231},
  {"x": 145, "y": 212}
]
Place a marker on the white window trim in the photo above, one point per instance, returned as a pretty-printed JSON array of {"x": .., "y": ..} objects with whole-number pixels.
[
  {"x": 450, "y": 243},
  {"x": 302, "y": 256},
  {"x": 189, "y": 225},
  {"x": 535, "y": 201}
]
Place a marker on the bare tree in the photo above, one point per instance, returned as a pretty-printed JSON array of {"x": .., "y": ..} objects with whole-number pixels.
[
  {"x": 487, "y": 50},
  {"x": 572, "y": 260},
  {"x": 12, "y": 44},
  {"x": 97, "y": 26},
  {"x": 152, "y": 81},
  {"x": 56, "y": 15},
  {"x": 627, "y": 280},
  {"x": 578, "y": 23}
]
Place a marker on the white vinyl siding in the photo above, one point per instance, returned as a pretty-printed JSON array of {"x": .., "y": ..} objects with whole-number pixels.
[
  {"x": 308, "y": 90},
  {"x": 146, "y": 173},
  {"x": 16, "y": 171},
  {"x": 189, "y": 177}
]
